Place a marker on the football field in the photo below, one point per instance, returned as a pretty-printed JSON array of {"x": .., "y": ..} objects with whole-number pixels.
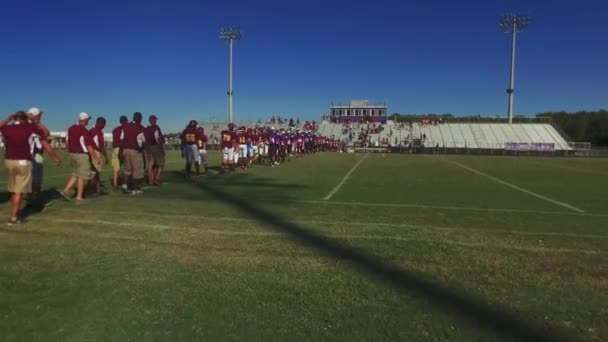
[{"x": 378, "y": 247}]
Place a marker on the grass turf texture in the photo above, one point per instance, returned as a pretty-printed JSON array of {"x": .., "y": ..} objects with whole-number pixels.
[{"x": 440, "y": 253}]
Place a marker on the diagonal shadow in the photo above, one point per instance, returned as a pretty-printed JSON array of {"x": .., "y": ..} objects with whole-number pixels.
[{"x": 473, "y": 310}]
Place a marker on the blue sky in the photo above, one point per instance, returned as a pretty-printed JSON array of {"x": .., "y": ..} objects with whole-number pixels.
[{"x": 296, "y": 57}]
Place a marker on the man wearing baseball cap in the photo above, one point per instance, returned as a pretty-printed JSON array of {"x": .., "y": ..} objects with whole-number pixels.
[
  {"x": 82, "y": 153},
  {"x": 37, "y": 144},
  {"x": 155, "y": 152},
  {"x": 132, "y": 151}
]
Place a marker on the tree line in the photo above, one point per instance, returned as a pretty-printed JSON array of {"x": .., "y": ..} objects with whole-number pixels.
[{"x": 582, "y": 126}]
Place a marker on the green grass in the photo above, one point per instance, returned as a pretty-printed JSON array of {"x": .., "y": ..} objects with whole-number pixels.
[{"x": 411, "y": 247}]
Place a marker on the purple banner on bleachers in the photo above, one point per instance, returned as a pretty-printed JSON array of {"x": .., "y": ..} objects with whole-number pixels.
[{"x": 534, "y": 147}]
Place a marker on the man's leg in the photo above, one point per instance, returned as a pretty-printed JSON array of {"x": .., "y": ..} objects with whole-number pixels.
[
  {"x": 79, "y": 189},
  {"x": 157, "y": 173},
  {"x": 15, "y": 205},
  {"x": 70, "y": 184},
  {"x": 151, "y": 173}
]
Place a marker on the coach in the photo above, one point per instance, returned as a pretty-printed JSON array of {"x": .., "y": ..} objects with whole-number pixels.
[
  {"x": 18, "y": 157},
  {"x": 155, "y": 151},
  {"x": 132, "y": 151},
  {"x": 82, "y": 153}
]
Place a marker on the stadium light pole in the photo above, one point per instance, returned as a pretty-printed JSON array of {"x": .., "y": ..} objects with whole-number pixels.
[
  {"x": 513, "y": 23},
  {"x": 230, "y": 35}
]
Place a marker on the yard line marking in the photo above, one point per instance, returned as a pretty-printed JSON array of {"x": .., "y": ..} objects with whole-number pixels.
[
  {"x": 513, "y": 186},
  {"x": 334, "y": 236},
  {"x": 346, "y": 177},
  {"x": 422, "y": 206},
  {"x": 345, "y": 223}
]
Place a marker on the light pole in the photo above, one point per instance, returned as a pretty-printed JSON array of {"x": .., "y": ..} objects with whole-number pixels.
[
  {"x": 513, "y": 23},
  {"x": 230, "y": 34}
]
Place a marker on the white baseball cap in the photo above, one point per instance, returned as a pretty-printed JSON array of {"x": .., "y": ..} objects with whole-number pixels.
[
  {"x": 34, "y": 111},
  {"x": 83, "y": 116}
]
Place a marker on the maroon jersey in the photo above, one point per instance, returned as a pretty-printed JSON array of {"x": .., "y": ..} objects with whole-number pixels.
[
  {"x": 242, "y": 138},
  {"x": 153, "y": 135},
  {"x": 133, "y": 137},
  {"x": 78, "y": 139},
  {"x": 17, "y": 140},
  {"x": 98, "y": 140},
  {"x": 117, "y": 136},
  {"x": 228, "y": 139},
  {"x": 190, "y": 136}
]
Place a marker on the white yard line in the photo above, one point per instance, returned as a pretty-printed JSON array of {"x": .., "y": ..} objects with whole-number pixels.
[
  {"x": 346, "y": 177},
  {"x": 513, "y": 186},
  {"x": 349, "y": 236},
  {"x": 435, "y": 207}
]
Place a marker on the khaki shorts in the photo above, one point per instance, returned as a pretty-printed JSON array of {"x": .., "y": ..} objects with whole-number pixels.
[
  {"x": 133, "y": 164},
  {"x": 81, "y": 165},
  {"x": 155, "y": 155},
  {"x": 19, "y": 173},
  {"x": 115, "y": 159}
]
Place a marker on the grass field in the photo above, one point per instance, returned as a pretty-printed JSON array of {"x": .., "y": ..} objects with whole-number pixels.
[{"x": 407, "y": 247}]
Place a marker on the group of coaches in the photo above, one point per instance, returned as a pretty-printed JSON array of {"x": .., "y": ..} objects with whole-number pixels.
[
  {"x": 131, "y": 143},
  {"x": 25, "y": 139}
]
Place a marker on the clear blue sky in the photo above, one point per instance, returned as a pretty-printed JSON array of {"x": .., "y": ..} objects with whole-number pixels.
[{"x": 296, "y": 57}]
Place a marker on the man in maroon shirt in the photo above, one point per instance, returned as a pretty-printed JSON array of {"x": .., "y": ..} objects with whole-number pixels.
[
  {"x": 100, "y": 150},
  {"x": 117, "y": 136},
  {"x": 155, "y": 152},
  {"x": 132, "y": 151},
  {"x": 82, "y": 152},
  {"x": 18, "y": 157}
]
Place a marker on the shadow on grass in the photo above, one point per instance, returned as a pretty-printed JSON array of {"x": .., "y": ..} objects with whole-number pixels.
[
  {"x": 39, "y": 202},
  {"x": 465, "y": 306},
  {"x": 240, "y": 184}
]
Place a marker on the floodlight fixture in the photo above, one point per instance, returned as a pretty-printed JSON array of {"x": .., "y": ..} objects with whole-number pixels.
[
  {"x": 512, "y": 23},
  {"x": 230, "y": 34}
]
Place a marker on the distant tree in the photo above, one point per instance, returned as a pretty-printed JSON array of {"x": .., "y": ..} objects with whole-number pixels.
[{"x": 582, "y": 126}]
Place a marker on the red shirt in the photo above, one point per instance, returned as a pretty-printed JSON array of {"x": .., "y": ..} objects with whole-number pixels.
[
  {"x": 153, "y": 135},
  {"x": 78, "y": 139},
  {"x": 191, "y": 136},
  {"x": 133, "y": 137},
  {"x": 17, "y": 140},
  {"x": 228, "y": 138},
  {"x": 98, "y": 141},
  {"x": 117, "y": 136}
]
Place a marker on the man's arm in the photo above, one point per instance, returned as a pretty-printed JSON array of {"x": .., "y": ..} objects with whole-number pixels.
[
  {"x": 47, "y": 147},
  {"x": 92, "y": 153},
  {"x": 7, "y": 120},
  {"x": 42, "y": 128}
]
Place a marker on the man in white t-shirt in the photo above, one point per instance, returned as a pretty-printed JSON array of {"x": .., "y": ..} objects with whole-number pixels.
[{"x": 36, "y": 148}]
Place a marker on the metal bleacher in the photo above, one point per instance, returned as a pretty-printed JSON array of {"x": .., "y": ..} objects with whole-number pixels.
[{"x": 488, "y": 135}]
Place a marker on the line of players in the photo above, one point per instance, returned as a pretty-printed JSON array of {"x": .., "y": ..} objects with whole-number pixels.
[{"x": 243, "y": 147}]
